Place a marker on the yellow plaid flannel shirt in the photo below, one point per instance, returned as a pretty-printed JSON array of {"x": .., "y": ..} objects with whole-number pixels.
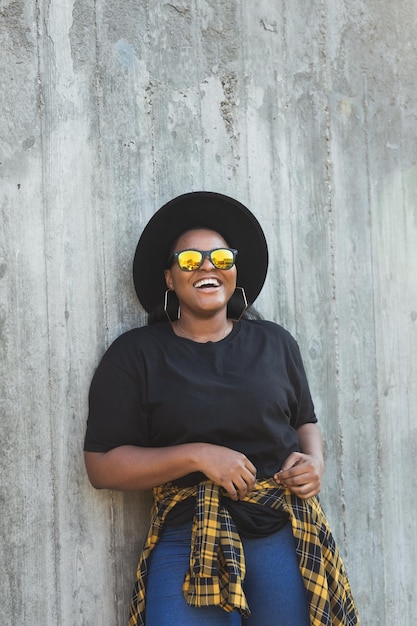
[{"x": 217, "y": 564}]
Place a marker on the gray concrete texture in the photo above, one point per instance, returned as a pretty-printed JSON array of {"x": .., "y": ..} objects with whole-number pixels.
[{"x": 306, "y": 112}]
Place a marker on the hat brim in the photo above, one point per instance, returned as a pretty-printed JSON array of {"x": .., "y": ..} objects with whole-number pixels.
[{"x": 199, "y": 209}]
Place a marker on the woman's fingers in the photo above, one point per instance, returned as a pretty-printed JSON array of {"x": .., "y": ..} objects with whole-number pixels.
[
  {"x": 301, "y": 476},
  {"x": 230, "y": 469}
]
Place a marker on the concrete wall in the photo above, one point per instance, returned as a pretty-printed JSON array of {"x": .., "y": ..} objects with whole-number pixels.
[{"x": 306, "y": 111}]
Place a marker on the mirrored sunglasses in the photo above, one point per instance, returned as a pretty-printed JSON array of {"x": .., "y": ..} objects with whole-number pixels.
[{"x": 190, "y": 260}]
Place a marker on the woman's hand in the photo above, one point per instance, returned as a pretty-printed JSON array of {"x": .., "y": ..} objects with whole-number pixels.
[
  {"x": 301, "y": 472},
  {"x": 228, "y": 468}
]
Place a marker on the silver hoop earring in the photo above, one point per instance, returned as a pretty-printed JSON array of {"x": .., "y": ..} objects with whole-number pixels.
[
  {"x": 167, "y": 305},
  {"x": 245, "y": 304}
]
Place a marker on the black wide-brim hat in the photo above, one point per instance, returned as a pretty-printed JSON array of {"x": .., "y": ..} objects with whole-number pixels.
[{"x": 199, "y": 209}]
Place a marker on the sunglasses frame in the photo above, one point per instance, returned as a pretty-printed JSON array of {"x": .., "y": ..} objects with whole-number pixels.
[{"x": 204, "y": 254}]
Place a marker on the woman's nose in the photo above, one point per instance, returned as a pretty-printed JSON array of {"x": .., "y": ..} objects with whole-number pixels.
[{"x": 207, "y": 264}]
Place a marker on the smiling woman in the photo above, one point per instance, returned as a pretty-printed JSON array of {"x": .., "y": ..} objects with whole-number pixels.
[{"x": 212, "y": 410}]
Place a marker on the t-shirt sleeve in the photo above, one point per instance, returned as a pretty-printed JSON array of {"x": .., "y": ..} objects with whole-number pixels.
[
  {"x": 116, "y": 408},
  {"x": 302, "y": 407}
]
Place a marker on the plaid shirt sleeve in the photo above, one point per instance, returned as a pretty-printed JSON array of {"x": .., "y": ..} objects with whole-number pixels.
[{"x": 217, "y": 566}]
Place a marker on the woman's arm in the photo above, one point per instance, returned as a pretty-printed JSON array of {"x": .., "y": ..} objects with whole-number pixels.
[
  {"x": 129, "y": 468},
  {"x": 301, "y": 472}
]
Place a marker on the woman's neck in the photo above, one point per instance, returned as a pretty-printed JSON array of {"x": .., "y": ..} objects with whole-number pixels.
[{"x": 203, "y": 330}]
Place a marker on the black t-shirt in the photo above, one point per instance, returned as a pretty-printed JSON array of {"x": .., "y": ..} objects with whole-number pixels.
[{"x": 248, "y": 392}]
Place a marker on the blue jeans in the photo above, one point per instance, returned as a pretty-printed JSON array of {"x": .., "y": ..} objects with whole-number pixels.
[{"x": 273, "y": 585}]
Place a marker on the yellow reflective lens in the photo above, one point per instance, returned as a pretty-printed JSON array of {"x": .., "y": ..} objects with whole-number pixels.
[
  {"x": 222, "y": 258},
  {"x": 190, "y": 260}
]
